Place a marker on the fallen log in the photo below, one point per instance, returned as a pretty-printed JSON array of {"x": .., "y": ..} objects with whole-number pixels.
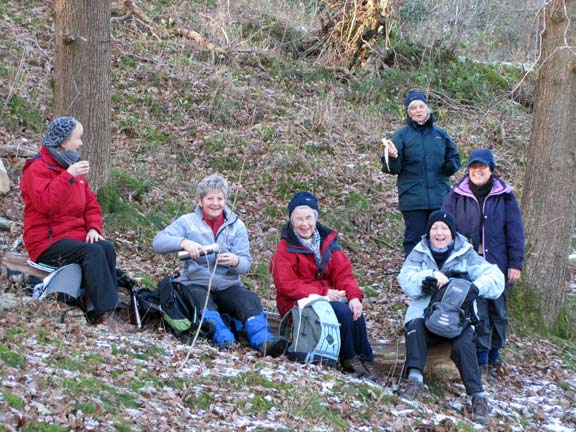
[
  {"x": 389, "y": 356},
  {"x": 19, "y": 262},
  {"x": 8, "y": 225},
  {"x": 17, "y": 151}
]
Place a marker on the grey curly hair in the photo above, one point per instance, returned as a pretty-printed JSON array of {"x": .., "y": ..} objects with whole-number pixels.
[{"x": 211, "y": 182}]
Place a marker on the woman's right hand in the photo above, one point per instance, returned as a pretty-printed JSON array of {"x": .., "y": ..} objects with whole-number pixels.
[
  {"x": 192, "y": 248},
  {"x": 79, "y": 168},
  {"x": 392, "y": 150},
  {"x": 334, "y": 295}
]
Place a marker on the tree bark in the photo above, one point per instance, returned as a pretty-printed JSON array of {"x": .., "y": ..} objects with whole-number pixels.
[
  {"x": 549, "y": 191},
  {"x": 82, "y": 77}
]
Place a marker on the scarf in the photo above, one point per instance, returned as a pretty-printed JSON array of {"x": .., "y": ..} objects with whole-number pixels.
[
  {"x": 481, "y": 192},
  {"x": 64, "y": 157},
  {"x": 313, "y": 244},
  {"x": 442, "y": 254}
]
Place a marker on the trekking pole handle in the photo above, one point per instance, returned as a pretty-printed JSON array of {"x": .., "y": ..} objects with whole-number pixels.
[{"x": 207, "y": 250}]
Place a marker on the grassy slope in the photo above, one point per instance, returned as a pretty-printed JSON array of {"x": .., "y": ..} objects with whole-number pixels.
[{"x": 273, "y": 124}]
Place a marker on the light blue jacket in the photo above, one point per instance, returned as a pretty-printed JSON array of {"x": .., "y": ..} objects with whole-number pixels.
[
  {"x": 487, "y": 277},
  {"x": 231, "y": 237}
]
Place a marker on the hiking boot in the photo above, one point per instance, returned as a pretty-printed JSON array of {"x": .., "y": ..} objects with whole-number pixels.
[
  {"x": 484, "y": 373},
  {"x": 413, "y": 390},
  {"x": 487, "y": 374},
  {"x": 497, "y": 370},
  {"x": 480, "y": 409},
  {"x": 353, "y": 366},
  {"x": 370, "y": 371},
  {"x": 273, "y": 347},
  {"x": 110, "y": 320}
]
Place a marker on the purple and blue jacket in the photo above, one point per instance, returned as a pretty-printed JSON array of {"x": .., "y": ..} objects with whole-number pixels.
[{"x": 497, "y": 231}]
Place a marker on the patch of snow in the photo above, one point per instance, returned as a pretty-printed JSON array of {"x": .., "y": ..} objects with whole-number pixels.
[{"x": 554, "y": 426}]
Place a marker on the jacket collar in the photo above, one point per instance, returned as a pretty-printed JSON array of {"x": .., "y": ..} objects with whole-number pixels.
[
  {"x": 327, "y": 236},
  {"x": 499, "y": 187},
  {"x": 461, "y": 245},
  {"x": 45, "y": 155}
]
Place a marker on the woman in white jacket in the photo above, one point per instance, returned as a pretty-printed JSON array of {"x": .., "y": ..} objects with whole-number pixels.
[{"x": 440, "y": 254}]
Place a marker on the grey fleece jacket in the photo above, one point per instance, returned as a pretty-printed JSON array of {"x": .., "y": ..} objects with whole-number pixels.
[{"x": 231, "y": 237}]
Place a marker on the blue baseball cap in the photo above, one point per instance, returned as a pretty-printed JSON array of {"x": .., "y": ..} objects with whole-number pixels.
[{"x": 483, "y": 156}]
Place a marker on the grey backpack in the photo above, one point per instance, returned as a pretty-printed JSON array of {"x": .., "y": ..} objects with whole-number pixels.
[
  {"x": 315, "y": 333},
  {"x": 449, "y": 312},
  {"x": 65, "y": 280}
]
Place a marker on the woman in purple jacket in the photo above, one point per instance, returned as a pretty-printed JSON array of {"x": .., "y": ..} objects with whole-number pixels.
[{"x": 488, "y": 214}]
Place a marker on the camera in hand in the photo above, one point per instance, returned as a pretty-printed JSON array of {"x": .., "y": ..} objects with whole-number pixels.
[{"x": 207, "y": 250}]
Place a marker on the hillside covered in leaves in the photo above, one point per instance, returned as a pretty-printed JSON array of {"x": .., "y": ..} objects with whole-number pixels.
[{"x": 270, "y": 111}]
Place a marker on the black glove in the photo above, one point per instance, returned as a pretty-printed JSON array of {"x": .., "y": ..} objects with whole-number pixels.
[
  {"x": 449, "y": 167},
  {"x": 457, "y": 274},
  {"x": 429, "y": 285}
]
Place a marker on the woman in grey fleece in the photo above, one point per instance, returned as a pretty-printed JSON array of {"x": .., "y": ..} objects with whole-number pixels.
[{"x": 213, "y": 226}]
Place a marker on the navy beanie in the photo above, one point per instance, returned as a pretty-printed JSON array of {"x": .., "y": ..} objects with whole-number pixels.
[
  {"x": 303, "y": 199},
  {"x": 59, "y": 131},
  {"x": 483, "y": 156},
  {"x": 444, "y": 216},
  {"x": 414, "y": 95}
]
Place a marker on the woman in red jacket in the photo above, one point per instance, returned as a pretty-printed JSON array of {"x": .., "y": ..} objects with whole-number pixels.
[
  {"x": 308, "y": 260},
  {"x": 63, "y": 220}
]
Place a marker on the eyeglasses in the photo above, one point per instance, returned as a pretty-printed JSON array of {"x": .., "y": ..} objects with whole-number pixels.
[{"x": 300, "y": 220}]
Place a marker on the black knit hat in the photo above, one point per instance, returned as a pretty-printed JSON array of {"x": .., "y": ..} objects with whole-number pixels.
[
  {"x": 302, "y": 199},
  {"x": 444, "y": 216},
  {"x": 59, "y": 131},
  {"x": 414, "y": 95}
]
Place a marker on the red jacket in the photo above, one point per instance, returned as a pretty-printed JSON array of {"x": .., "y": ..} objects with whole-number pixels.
[
  {"x": 296, "y": 274},
  {"x": 56, "y": 204}
]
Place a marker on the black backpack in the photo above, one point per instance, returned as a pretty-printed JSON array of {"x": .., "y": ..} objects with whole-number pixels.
[
  {"x": 451, "y": 310},
  {"x": 171, "y": 304}
]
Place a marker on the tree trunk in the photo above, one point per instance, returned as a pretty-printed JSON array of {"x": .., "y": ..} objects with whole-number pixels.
[
  {"x": 549, "y": 191},
  {"x": 82, "y": 76}
]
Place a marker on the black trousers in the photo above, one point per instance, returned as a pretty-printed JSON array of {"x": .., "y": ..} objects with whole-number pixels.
[
  {"x": 236, "y": 301},
  {"x": 414, "y": 228},
  {"x": 463, "y": 352},
  {"x": 98, "y": 262},
  {"x": 494, "y": 322}
]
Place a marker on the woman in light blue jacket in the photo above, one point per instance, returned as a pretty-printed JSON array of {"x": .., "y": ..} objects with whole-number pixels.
[
  {"x": 214, "y": 227},
  {"x": 444, "y": 253}
]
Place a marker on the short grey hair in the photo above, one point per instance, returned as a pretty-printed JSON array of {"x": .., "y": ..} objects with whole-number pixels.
[{"x": 212, "y": 182}]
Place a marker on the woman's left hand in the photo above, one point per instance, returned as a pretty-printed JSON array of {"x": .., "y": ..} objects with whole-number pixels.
[
  {"x": 228, "y": 259},
  {"x": 513, "y": 275},
  {"x": 93, "y": 236},
  {"x": 441, "y": 278},
  {"x": 356, "y": 307}
]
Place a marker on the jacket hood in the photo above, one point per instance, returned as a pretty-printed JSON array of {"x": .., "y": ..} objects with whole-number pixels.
[{"x": 47, "y": 157}]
